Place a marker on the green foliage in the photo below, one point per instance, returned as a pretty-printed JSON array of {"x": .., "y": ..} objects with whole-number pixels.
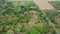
[
  {"x": 34, "y": 31},
  {"x": 53, "y": 20},
  {"x": 12, "y": 15},
  {"x": 42, "y": 29},
  {"x": 2, "y": 1},
  {"x": 57, "y": 31},
  {"x": 56, "y": 4},
  {"x": 27, "y": 19},
  {"x": 5, "y": 22},
  {"x": 15, "y": 20},
  {"x": 6, "y": 16},
  {"x": 16, "y": 30},
  {"x": 23, "y": 28},
  {"x": 1, "y": 28},
  {"x": 16, "y": 10},
  {"x": 51, "y": 16}
]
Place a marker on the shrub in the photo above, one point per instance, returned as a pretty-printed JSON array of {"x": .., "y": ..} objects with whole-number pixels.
[{"x": 34, "y": 31}]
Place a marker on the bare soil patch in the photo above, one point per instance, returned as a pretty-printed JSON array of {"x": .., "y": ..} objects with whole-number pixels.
[{"x": 43, "y": 5}]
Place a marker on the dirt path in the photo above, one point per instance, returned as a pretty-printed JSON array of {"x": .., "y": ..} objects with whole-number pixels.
[{"x": 44, "y": 5}]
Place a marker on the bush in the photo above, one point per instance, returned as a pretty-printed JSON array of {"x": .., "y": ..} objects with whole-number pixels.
[
  {"x": 34, "y": 31},
  {"x": 16, "y": 30},
  {"x": 23, "y": 28}
]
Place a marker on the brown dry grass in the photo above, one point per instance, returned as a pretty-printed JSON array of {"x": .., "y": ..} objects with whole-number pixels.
[{"x": 58, "y": 20}]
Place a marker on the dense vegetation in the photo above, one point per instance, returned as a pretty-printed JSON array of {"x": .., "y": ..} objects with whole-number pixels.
[
  {"x": 15, "y": 19},
  {"x": 56, "y": 4}
]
